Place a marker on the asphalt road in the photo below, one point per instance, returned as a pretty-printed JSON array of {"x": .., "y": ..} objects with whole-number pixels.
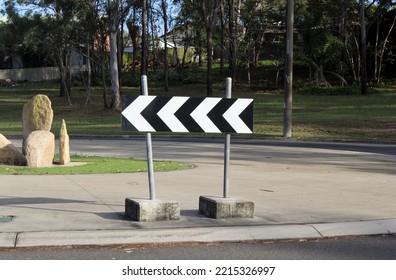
[{"x": 351, "y": 248}]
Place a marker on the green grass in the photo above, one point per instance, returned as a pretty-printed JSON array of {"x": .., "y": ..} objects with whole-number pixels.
[
  {"x": 332, "y": 117},
  {"x": 334, "y": 113},
  {"x": 94, "y": 165}
]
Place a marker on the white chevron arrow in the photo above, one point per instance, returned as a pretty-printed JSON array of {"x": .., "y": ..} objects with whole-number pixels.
[
  {"x": 200, "y": 115},
  {"x": 133, "y": 113},
  {"x": 232, "y": 115},
  {"x": 167, "y": 114}
]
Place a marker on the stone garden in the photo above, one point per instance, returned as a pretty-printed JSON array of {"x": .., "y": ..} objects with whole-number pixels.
[{"x": 38, "y": 146}]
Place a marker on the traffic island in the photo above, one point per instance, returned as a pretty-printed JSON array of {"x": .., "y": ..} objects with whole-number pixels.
[
  {"x": 144, "y": 210},
  {"x": 222, "y": 208}
]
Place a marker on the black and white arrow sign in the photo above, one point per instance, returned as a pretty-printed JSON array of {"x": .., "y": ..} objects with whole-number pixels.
[{"x": 187, "y": 114}]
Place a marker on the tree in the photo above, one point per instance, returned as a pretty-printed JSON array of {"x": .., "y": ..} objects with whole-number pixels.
[
  {"x": 113, "y": 7},
  {"x": 56, "y": 32},
  {"x": 100, "y": 47},
  {"x": 325, "y": 39},
  {"x": 189, "y": 23},
  {"x": 255, "y": 17}
]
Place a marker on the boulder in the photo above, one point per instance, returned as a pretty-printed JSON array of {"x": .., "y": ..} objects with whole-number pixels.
[
  {"x": 64, "y": 146},
  {"x": 37, "y": 115},
  {"x": 9, "y": 154},
  {"x": 40, "y": 148}
]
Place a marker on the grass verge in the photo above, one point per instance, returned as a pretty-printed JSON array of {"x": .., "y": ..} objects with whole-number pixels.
[{"x": 94, "y": 165}]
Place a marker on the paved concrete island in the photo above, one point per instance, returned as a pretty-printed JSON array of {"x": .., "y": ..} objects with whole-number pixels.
[{"x": 299, "y": 189}]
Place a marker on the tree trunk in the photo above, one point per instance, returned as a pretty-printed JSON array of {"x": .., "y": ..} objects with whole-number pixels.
[
  {"x": 287, "y": 120},
  {"x": 104, "y": 88},
  {"x": 200, "y": 56},
  {"x": 64, "y": 85},
  {"x": 185, "y": 49},
  {"x": 115, "y": 87},
  {"x": 176, "y": 59},
  {"x": 209, "y": 11},
  {"x": 89, "y": 73},
  {"x": 376, "y": 56},
  {"x": 166, "y": 70},
  {"x": 68, "y": 72},
  {"x": 120, "y": 52},
  {"x": 232, "y": 39},
  {"x": 150, "y": 14},
  {"x": 209, "y": 77},
  {"x": 134, "y": 33},
  {"x": 114, "y": 6},
  {"x": 222, "y": 30},
  {"x": 363, "y": 49},
  {"x": 144, "y": 39}
]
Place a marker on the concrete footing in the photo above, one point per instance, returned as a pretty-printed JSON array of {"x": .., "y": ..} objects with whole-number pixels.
[
  {"x": 144, "y": 210},
  {"x": 221, "y": 208}
]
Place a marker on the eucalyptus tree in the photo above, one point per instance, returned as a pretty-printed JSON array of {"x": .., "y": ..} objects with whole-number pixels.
[
  {"x": 117, "y": 11},
  {"x": 59, "y": 34},
  {"x": 113, "y": 10}
]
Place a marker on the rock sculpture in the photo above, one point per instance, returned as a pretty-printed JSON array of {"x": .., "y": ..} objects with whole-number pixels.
[
  {"x": 37, "y": 115},
  {"x": 38, "y": 146},
  {"x": 40, "y": 149},
  {"x": 64, "y": 146},
  {"x": 9, "y": 154}
]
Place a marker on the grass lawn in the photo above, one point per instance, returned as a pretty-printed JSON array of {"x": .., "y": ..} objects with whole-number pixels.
[
  {"x": 94, "y": 165},
  {"x": 334, "y": 114}
]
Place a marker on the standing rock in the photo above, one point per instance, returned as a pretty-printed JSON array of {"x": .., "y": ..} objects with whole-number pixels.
[
  {"x": 64, "y": 146},
  {"x": 40, "y": 148},
  {"x": 37, "y": 115},
  {"x": 9, "y": 154}
]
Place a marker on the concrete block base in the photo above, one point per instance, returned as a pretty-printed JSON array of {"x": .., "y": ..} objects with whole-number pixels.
[
  {"x": 221, "y": 208},
  {"x": 143, "y": 210}
]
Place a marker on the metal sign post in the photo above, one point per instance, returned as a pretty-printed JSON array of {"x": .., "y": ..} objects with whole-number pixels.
[
  {"x": 227, "y": 148},
  {"x": 149, "y": 147}
]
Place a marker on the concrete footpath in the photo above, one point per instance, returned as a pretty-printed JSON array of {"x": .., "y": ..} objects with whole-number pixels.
[{"x": 301, "y": 190}]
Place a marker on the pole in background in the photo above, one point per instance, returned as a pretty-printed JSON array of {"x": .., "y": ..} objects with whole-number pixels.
[
  {"x": 287, "y": 120},
  {"x": 227, "y": 148},
  {"x": 149, "y": 147}
]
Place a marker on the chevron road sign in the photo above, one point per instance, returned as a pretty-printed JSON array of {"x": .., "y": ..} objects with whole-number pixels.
[{"x": 187, "y": 114}]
